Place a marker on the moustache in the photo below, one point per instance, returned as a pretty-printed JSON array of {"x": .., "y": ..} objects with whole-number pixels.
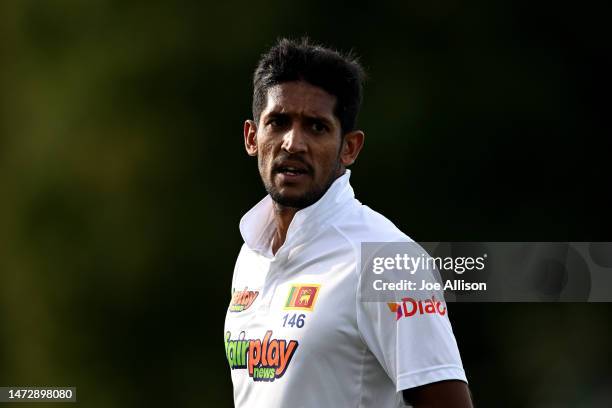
[{"x": 291, "y": 161}]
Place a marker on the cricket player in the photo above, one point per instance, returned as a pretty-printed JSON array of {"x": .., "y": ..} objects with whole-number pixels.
[{"x": 296, "y": 332}]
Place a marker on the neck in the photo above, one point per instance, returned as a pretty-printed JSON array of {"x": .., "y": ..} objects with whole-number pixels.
[{"x": 282, "y": 217}]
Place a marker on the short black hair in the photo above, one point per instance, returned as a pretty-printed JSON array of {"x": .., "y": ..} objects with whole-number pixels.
[{"x": 338, "y": 74}]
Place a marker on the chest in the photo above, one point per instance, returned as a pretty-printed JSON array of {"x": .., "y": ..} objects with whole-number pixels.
[{"x": 290, "y": 311}]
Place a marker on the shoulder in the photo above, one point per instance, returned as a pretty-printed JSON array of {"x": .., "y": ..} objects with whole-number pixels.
[{"x": 360, "y": 224}]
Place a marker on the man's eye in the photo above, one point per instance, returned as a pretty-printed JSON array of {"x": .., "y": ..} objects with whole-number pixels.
[
  {"x": 276, "y": 122},
  {"x": 318, "y": 127}
]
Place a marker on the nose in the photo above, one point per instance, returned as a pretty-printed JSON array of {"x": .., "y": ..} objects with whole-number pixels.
[{"x": 294, "y": 141}]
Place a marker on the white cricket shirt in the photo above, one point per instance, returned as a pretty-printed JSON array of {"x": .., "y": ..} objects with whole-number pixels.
[{"x": 296, "y": 333}]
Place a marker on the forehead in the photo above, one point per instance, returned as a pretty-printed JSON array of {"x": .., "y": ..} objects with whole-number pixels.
[{"x": 300, "y": 98}]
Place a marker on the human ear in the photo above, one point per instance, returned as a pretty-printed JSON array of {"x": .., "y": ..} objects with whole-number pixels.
[
  {"x": 250, "y": 137},
  {"x": 351, "y": 146}
]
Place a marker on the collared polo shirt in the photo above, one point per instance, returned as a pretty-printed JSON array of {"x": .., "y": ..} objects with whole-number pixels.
[{"x": 296, "y": 332}]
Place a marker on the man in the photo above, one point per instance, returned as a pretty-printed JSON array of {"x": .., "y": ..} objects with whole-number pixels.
[{"x": 296, "y": 332}]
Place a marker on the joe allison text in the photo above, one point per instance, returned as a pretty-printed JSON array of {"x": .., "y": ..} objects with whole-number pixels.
[{"x": 453, "y": 284}]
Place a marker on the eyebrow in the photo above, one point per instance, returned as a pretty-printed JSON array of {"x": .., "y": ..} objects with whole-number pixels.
[{"x": 310, "y": 118}]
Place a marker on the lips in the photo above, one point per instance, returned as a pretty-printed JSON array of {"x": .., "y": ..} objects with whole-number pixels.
[
  {"x": 291, "y": 168},
  {"x": 291, "y": 171}
]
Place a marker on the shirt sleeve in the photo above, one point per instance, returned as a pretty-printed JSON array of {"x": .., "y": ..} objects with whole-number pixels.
[{"x": 412, "y": 338}]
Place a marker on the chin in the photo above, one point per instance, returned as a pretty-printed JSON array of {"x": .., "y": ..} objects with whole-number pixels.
[
  {"x": 291, "y": 201},
  {"x": 298, "y": 201}
]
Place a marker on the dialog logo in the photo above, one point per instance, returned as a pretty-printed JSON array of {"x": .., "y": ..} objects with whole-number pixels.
[{"x": 410, "y": 307}]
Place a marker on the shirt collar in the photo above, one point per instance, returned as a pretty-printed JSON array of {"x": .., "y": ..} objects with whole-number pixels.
[{"x": 257, "y": 225}]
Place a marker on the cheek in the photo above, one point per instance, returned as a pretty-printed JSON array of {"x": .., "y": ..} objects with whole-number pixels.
[
  {"x": 264, "y": 154},
  {"x": 331, "y": 153}
]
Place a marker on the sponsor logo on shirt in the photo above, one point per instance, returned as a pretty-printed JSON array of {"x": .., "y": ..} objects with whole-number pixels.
[
  {"x": 242, "y": 299},
  {"x": 411, "y": 307},
  {"x": 266, "y": 360},
  {"x": 302, "y": 296}
]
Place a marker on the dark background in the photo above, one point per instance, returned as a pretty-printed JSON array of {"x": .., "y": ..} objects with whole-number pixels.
[{"x": 123, "y": 177}]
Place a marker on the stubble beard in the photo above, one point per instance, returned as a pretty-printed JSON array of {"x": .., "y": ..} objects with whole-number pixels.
[{"x": 305, "y": 200}]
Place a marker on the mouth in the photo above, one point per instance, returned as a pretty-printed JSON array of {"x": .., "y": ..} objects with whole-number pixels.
[{"x": 292, "y": 171}]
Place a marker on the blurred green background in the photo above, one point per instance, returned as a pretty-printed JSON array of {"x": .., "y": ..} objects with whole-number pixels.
[{"x": 123, "y": 178}]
